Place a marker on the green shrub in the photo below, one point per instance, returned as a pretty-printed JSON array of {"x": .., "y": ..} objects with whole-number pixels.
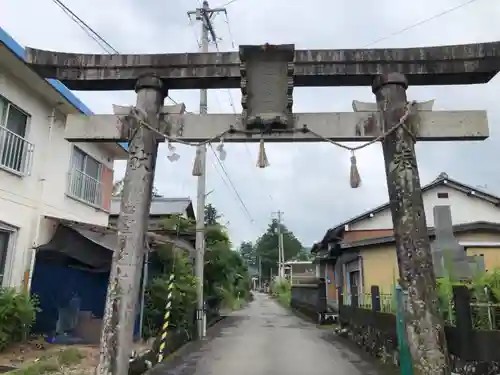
[
  {"x": 184, "y": 294},
  {"x": 226, "y": 277},
  {"x": 17, "y": 314}
]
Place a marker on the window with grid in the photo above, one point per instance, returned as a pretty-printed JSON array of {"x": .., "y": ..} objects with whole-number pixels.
[
  {"x": 15, "y": 151},
  {"x": 84, "y": 181}
]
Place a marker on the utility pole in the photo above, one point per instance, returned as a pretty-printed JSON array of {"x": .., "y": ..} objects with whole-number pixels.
[
  {"x": 260, "y": 273},
  {"x": 204, "y": 15},
  {"x": 281, "y": 253}
]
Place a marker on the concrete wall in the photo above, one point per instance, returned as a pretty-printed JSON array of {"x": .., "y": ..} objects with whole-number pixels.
[
  {"x": 24, "y": 199},
  {"x": 464, "y": 209}
]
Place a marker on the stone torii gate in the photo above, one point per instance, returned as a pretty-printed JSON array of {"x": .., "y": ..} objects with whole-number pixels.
[{"x": 267, "y": 75}]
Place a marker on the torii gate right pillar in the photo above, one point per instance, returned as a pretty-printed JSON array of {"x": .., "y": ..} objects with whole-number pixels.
[{"x": 424, "y": 325}]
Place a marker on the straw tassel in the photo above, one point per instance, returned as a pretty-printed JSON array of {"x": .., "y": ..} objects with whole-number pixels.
[
  {"x": 197, "y": 164},
  {"x": 262, "y": 162},
  {"x": 355, "y": 178}
]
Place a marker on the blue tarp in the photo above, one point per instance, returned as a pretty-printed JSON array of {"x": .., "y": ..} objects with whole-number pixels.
[{"x": 56, "y": 285}]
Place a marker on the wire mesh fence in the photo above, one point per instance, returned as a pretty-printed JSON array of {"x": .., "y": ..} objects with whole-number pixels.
[
  {"x": 365, "y": 301},
  {"x": 485, "y": 313}
]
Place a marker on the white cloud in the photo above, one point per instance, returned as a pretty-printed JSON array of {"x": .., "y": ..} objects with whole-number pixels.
[{"x": 310, "y": 183}]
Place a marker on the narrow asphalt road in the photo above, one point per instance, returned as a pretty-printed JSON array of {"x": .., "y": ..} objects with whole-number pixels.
[{"x": 266, "y": 339}]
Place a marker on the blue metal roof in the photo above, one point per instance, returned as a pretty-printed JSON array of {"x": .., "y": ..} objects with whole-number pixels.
[{"x": 18, "y": 50}]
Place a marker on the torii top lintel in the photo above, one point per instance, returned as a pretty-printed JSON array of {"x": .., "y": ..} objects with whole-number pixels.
[{"x": 444, "y": 65}]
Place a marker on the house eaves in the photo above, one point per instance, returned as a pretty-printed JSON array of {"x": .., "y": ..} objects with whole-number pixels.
[
  {"x": 18, "y": 51},
  {"x": 460, "y": 228},
  {"x": 161, "y": 206},
  {"x": 442, "y": 180},
  {"x": 106, "y": 237}
]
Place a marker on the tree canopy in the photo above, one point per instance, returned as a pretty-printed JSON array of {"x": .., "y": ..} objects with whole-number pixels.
[
  {"x": 212, "y": 216},
  {"x": 266, "y": 248},
  {"x": 249, "y": 256}
]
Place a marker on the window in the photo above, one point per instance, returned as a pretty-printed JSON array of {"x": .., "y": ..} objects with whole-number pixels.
[
  {"x": 442, "y": 195},
  {"x": 85, "y": 178},
  {"x": 15, "y": 151},
  {"x": 4, "y": 246}
]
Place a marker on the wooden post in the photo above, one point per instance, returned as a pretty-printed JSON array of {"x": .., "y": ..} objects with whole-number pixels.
[
  {"x": 425, "y": 327},
  {"x": 340, "y": 302},
  {"x": 340, "y": 297},
  {"x": 123, "y": 288},
  {"x": 322, "y": 300},
  {"x": 375, "y": 292},
  {"x": 354, "y": 296},
  {"x": 461, "y": 297}
]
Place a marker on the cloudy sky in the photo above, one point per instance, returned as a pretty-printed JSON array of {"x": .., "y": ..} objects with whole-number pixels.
[{"x": 309, "y": 183}]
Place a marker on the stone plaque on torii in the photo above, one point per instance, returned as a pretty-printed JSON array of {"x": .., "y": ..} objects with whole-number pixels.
[{"x": 266, "y": 76}]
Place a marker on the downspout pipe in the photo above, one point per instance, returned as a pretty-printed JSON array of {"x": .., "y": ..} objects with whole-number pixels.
[{"x": 39, "y": 206}]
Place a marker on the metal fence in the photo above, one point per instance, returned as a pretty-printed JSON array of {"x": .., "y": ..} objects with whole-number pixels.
[
  {"x": 484, "y": 315},
  {"x": 85, "y": 188},
  {"x": 365, "y": 300},
  {"x": 16, "y": 153}
]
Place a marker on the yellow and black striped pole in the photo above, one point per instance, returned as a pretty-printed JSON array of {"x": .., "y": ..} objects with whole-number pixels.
[{"x": 166, "y": 318}]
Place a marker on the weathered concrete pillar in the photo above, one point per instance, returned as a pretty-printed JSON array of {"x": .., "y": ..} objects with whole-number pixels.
[
  {"x": 123, "y": 288},
  {"x": 424, "y": 324}
]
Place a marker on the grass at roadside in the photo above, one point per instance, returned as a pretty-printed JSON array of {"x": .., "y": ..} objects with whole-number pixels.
[
  {"x": 51, "y": 364},
  {"x": 284, "y": 299},
  {"x": 282, "y": 291}
]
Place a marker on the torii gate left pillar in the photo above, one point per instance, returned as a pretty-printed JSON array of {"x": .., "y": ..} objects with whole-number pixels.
[{"x": 124, "y": 280}]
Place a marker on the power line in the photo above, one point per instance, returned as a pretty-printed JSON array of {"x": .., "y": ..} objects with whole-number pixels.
[
  {"x": 206, "y": 14},
  {"x": 231, "y": 103},
  {"x": 419, "y": 23},
  {"x": 82, "y": 23},
  {"x": 91, "y": 32},
  {"x": 221, "y": 164},
  {"x": 220, "y": 161},
  {"x": 228, "y": 3},
  {"x": 232, "y": 185},
  {"x": 103, "y": 44}
]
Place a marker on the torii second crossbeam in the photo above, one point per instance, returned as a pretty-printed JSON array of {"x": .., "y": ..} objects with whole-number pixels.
[{"x": 337, "y": 126}]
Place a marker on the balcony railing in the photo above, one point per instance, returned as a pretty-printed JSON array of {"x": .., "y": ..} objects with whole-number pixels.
[
  {"x": 16, "y": 153},
  {"x": 85, "y": 188}
]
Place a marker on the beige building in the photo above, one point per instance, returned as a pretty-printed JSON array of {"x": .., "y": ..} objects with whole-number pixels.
[{"x": 363, "y": 248}]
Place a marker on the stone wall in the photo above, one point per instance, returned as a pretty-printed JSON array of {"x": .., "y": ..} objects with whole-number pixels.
[
  {"x": 473, "y": 368},
  {"x": 380, "y": 343},
  {"x": 310, "y": 300}
]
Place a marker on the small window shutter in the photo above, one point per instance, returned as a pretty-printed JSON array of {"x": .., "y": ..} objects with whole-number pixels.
[{"x": 107, "y": 186}]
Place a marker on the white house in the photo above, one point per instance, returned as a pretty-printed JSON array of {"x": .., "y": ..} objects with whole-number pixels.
[
  {"x": 43, "y": 177},
  {"x": 475, "y": 214},
  {"x": 468, "y": 204}
]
